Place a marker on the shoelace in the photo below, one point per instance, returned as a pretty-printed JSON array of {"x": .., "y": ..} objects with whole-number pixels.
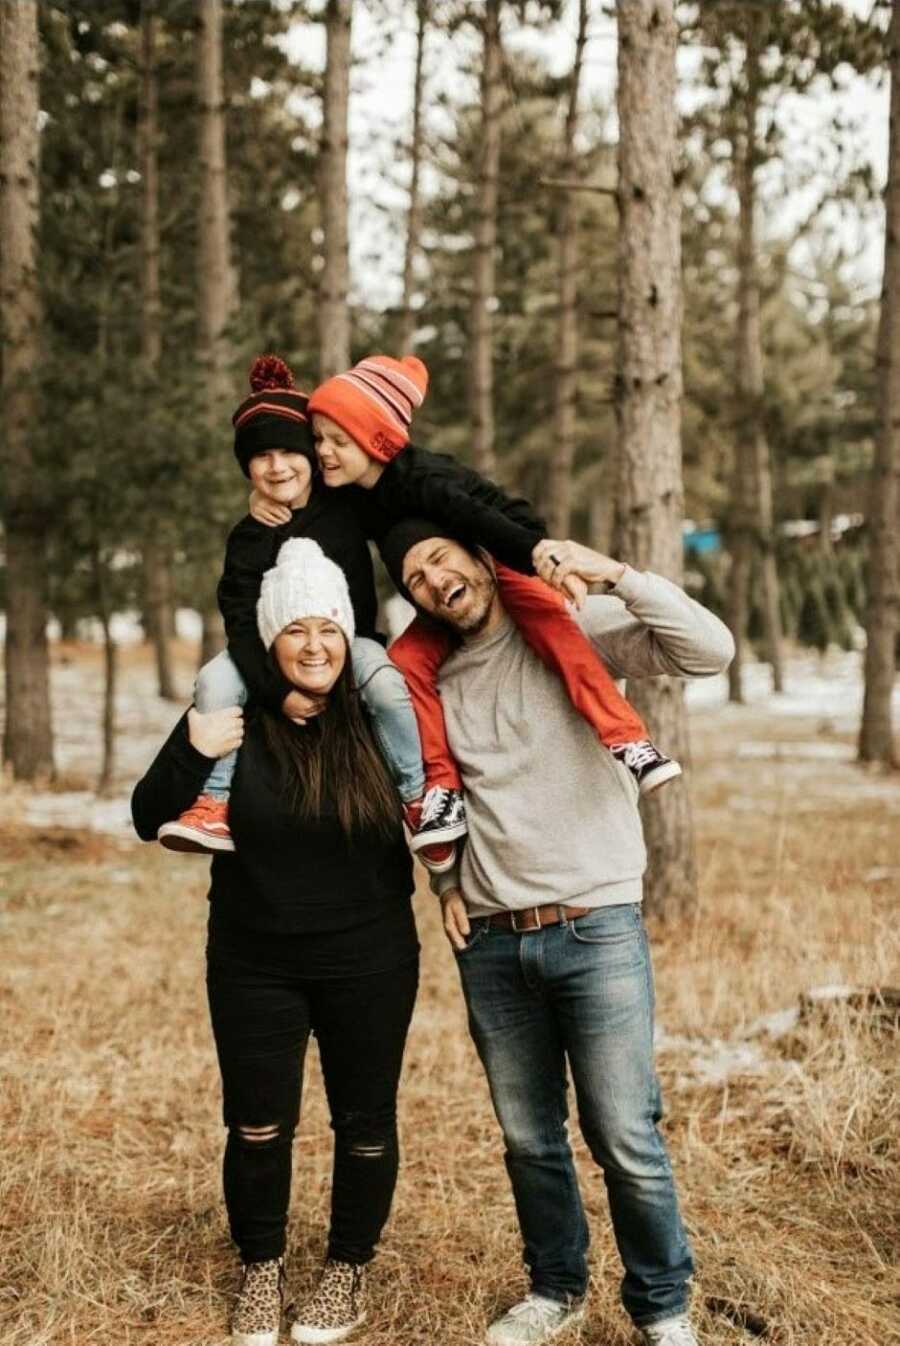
[
  {"x": 434, "y": 805},
  {"x": 640, "y": 754},
  {"x": 534, "y": 1309}
]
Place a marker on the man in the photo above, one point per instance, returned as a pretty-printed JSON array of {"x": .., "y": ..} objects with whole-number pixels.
[{"x": 543, "y": 911}]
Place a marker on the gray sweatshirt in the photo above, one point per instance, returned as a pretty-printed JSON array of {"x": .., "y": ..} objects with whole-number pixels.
[{"x": 552, "y": 815}]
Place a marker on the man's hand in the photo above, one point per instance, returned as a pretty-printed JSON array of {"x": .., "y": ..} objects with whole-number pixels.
[
  {"x": 300, "y": 707},
  {"x": 456, "y": 921},
  {"x": 562, "y": 563},
  {"x": 217, "y": 732},
  {"x": 268, "y": 511}
]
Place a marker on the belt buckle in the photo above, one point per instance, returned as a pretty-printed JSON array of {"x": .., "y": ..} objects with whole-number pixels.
[{"x": 525, "y": 929}]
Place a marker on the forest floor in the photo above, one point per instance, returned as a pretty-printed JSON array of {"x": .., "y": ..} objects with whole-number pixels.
[{"x": 783, "y": 1128}]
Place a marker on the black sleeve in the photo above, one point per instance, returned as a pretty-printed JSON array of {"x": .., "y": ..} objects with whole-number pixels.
[
  {"x": 483, "y": 515},
  {"x": 171, "y": 783},
  {"x": 251, "y": 551}
]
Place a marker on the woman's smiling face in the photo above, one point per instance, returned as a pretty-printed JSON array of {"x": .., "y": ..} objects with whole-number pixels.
[{"x": 311, "y": 653}]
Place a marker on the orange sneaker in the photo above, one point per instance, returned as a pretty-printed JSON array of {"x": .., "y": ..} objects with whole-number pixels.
[{"x": 200, "y": 829}]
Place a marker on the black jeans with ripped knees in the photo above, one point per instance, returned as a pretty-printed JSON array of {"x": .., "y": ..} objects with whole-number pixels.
[{"x": 262, "y": 1016}]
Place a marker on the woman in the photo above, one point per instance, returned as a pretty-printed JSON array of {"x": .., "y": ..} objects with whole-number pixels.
[{"x": 310, "y": 930}]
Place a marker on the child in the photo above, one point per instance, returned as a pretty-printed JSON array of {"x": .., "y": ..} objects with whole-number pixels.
[
  {"x": 274, "y": 448},
  {"x": 361, "y": 428}
]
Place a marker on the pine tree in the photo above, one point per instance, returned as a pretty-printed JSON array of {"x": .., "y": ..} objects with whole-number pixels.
[
  {"x": 559, "y": 492},
  {"x": 28, "y": 738},
  {"x": 649, "y": 391},
  {"x": 876, "y": 742},
  {"x": 334, "y": 316}
]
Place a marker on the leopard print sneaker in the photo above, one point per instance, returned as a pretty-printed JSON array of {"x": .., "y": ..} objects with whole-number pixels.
[
  {"x": 257, "y": 1313},
  {"x": 337, "y": 1305}
]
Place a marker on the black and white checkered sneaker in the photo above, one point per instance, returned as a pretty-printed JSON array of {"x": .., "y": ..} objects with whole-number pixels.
[
  {"x": 443, "y": 818},
  {"x": 647, "y": 764}
]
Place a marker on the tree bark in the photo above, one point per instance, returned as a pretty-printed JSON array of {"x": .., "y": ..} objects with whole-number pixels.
[
  {"x": 216, "y": 283},
  {"x": 648, "y": 401},
  {"x": 753, "y": 508},
  {"x": 334, "y": 315},
  {"x": 414, "y": 217},
  {"x": 28, "y": 734},
  {"x": 559, "y": 506},
  {"x": 876, "y": 739},
  {"x": 106, "y": 778},
  {"x": 484, "y": 264},
  {"x": 156, "y": 560}
]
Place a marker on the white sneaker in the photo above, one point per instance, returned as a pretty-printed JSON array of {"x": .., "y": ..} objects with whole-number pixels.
[
  {"x": 533, "y": 1320},
  {"x": 670, "y": 1332}
]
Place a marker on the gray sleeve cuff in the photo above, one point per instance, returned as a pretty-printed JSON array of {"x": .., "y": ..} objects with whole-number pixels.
[
  {"x": 442, "y": 883},
  {"x": 632, "y": 586}
]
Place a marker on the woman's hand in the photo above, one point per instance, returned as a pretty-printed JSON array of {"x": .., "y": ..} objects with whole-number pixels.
[
  {"x": 217, "y": 732},
  {"x": 300, "y": 706},
  {"x": 563, "y": 564},
  {"x": 268, "y": 511},
  {"x": 456, "y": 919}
]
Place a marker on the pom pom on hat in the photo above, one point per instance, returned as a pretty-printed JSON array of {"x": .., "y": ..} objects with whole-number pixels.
[
  {"x": 374, "y": 402},
  {"x": 270, "y": 371},
  {"x": 303, "y": 583}
]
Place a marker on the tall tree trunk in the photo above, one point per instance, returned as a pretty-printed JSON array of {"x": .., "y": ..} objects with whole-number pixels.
[
  {"x": 648, "y": 403},
  {"x": 481, "y": 370},
  {"x": 876, "y": 741},
  {"x": 754, "y": 510},
  {"x": 156, "y": 560},
  {"x": 28, "y": 735},
  {"x": 106, "y": 778},
  {"x": 334, "y": 315},
  {"x": 559, "y": 508},
  {"x": 825, "y": 480},
  {"x": 414, "y": 217},
  {"x": 216, "y": 288}
]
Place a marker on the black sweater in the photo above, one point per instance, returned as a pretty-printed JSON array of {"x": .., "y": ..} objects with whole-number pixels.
[
  {"x": 332, "y": 520},
  {"x": 421, "y": 484},
  {"x": 417, "y": 483},
  {"x": 350, "y": 899}
]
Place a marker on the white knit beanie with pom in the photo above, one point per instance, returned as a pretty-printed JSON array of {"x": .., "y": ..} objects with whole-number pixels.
[{"x": 303, "y": 583}]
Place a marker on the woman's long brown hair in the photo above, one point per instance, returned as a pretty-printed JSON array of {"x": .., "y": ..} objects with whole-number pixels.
[{"x": 333, "y": 756}]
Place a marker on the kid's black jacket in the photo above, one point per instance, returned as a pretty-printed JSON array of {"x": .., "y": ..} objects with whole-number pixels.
[
  {"x": 329, "y": 519},
  {"x": 350, "y": 898},
  {"x": 425, "y": 485},
  {"x": 415, "y": 484}
]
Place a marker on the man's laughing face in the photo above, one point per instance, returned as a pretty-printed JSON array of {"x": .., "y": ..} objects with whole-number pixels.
[{"x": 450, "y": 584}]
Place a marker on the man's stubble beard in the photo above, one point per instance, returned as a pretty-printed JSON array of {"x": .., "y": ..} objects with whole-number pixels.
[{"x": 475, "y": 623}]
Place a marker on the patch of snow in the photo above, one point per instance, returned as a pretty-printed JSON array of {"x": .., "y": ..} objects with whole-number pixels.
[
  {"x": 834, "y": 752},
  {"x": 715, "y": 1061},
  {"x": 829, "y": 686},
  {"x": 80, "y": 808},
  {"x": 774, "y": 1025}
]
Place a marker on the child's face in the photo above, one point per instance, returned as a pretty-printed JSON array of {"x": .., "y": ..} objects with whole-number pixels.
[
  {"x": 281, "y": 476},
  {"x": 341, "y": 459}
]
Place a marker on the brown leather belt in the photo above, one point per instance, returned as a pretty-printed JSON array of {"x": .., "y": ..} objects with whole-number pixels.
[{"x": 534, "y": 918}]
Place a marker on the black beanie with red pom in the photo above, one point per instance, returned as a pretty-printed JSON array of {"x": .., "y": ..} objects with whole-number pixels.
[{"x": 273, "y": 416}]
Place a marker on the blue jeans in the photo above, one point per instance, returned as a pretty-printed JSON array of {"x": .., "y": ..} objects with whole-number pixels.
[
  {"x": 384, "y": 694},
  {"x": 580, "y": 991}
]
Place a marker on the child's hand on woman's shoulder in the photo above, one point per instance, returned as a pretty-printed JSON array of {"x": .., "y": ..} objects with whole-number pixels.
[{"x": 217, "y": 732}]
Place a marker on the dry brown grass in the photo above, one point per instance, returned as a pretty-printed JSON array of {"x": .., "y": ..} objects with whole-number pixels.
[{"x": 111, "y": 1224}]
